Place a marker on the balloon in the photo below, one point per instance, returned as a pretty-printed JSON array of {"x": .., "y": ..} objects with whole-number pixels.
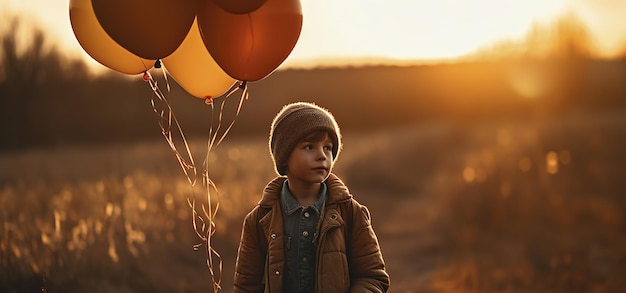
[
  {"x": 239, "y": 6},
  {"x": 250, "y": 46},
  {"x": 99, "y": 45},
  {"x": 151, "y": 29},
  {"x": 194, "y": 69}
]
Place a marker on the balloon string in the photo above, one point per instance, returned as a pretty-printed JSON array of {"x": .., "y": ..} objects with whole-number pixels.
[
  {"x": 208, "y": 210},
  {"x": 159, "y": 64},
  {"x": 202, "y": 221},
  {"x": 244, "y": 96},
  {"x": 166, "y": 120},
  {"x": 210, "y": 214},
  {"x": 210, "y": 251}
]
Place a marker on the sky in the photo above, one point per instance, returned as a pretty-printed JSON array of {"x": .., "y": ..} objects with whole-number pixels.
[{"x": 420, "y": 30}]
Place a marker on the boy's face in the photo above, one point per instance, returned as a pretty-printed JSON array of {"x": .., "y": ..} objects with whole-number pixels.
[{"x": 311, "y": 162}]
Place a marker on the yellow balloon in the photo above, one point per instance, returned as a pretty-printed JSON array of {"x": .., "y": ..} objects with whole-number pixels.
[
  {"x": 97, "y": 43},
  {"x": 194, "y": 69}
]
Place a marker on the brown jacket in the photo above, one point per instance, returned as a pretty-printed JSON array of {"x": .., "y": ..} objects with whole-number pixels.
[{"x": 348, "y": 260}]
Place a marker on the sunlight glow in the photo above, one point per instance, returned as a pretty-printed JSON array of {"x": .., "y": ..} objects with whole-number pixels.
[
  {"x": 389, "y": 30},
  {"x": 527, "y": 81},
  {"x": 606, "y": 19},
  {"x": 424, "y": 29}
]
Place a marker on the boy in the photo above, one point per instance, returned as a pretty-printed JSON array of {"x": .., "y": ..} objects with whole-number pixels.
[{"x": 308, "y": 234}]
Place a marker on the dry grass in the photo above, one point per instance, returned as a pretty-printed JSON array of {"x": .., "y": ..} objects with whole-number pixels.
[{"x": 513, "y": 207}]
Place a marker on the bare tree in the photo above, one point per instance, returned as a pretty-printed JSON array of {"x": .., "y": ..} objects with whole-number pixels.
[
  {"x": 28, "y": 75},
  {"x": 21, "y": 73}
]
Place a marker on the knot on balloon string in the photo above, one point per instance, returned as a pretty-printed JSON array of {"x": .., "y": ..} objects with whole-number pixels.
[
  {"x": 146, "y": 76},
  {"x": 244, "y": 87},
  {"x": 208, "y": 100},
  {"x": 157, "y": 63}
]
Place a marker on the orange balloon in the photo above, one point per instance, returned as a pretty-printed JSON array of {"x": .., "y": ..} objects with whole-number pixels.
[
  {"x": 250, "y": 46},
  {"x": 194, "y": 69},
  {"x": 95, "y": 41},
  {"x": 239, "y": 6},
  {"x": 151, "y": 29}
]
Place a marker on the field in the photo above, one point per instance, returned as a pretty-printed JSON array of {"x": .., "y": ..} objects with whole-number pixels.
[{"x": 520, "y": 206}]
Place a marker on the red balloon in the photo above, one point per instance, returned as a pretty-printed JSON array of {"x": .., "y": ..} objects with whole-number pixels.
[
  {"x": 250, "y": 46},
  {"x": 239, "y": 6},
  {"x": 150, "y": 29}
]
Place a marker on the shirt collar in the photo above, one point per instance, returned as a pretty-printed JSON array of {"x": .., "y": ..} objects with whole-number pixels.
[{"x": 290, "y": 204}]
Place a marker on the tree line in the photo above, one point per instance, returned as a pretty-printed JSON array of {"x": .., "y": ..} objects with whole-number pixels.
[{"x": 47, "y": 99}]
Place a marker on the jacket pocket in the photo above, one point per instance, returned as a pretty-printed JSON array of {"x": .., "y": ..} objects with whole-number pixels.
[{"x": 287, "y": 243}]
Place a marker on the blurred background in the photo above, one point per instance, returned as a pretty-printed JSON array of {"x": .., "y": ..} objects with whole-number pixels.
[{"x": 486, "y": 137}]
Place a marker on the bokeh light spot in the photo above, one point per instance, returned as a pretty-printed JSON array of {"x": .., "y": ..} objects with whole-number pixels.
[
  {"x": 169, "y": 201},
  {"x": 552, "y": 162},
  {"x": 109, "y": 209},
  {"x": 234, "y": 154},
  {"x": 469, "y": 174},
  {"x": 142, "y": 204}
]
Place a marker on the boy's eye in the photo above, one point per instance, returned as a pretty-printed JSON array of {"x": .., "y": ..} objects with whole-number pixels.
[{"x": 328, "y": 148}]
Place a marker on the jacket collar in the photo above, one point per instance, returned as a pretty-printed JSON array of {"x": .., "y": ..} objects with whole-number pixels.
[
  {"x": 337, "y": 190},
  {"x": 290, "y": 204}
]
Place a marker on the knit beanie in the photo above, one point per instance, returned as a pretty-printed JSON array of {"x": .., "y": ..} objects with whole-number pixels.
[{"x": 294, "y": 122}]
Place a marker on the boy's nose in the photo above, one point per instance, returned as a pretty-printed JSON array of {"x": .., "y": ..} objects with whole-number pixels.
[{"x": 321, "y": 155}]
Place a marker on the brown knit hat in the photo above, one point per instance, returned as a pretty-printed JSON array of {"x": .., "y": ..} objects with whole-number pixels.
[{"x": 294, "y": 122}]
